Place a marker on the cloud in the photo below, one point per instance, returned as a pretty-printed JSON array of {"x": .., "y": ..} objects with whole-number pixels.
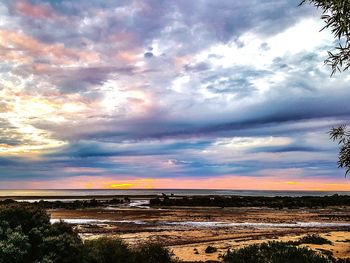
[
  {"x": 174, "y": 89},
  {"x": 36, "y": 11},
  {"x": 287, "y": 149}
]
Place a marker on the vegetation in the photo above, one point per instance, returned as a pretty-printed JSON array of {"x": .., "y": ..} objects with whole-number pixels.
[
  {"x": 274, "y": 252},
  {"x": 114, "y": 250},
  {"x": 26, "y": 236},
  {"x": 337, "y": 18},
  {"x": 279, "y": 202},
  {"x": 314, "y": 239},
  {"x": 105, "y": 250},
  {"x": 153, "y": 253},
  {"x": 342, "y": 135},
  {"x": 76, "y": 204},
  {"x": 336, "y": 15},
  {"x": 254, "y": 201},
  {"x": 210, "y": 249}
]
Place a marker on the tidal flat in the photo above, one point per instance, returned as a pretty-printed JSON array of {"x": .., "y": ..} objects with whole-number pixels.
[{"x": 189, "y": 230}]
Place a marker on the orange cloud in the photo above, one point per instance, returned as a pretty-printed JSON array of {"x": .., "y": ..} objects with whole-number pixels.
[
  {"x": 126, "y": 57},
  {"x": 17, "y": 43},
  {"x": 223, "y": 182}
]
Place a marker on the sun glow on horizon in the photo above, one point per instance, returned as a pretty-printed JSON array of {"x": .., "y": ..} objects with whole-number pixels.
[
  {"x": 132, "y": 95},
  {"x": 126, "y": 186}
]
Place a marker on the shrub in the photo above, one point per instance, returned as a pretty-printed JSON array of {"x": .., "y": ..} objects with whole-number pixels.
[
  {"x": 63, "y": 248},
  {"x": 314, "y": 239},
  {"x": 342, "y": 260},
  {"x": 210, "y": 249},
  {"x": 153, "y": 253},
  {"x": 26, "y": 236},
  {"x": 15, "y": 247},
  {"x": 279, "y": 202},
  {"x": 274, "y": 252},
  {"x": 106, "y": 250},
  {"x": 28, "y": 217}
]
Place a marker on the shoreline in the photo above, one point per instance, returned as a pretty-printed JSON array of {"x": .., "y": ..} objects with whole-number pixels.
[
  {"x": 77, "y": 197},
  {"x": 108, "y": 193},
  {"x": 188, "y": 230},
  {"x": 252, "y": 226},
  {"x": 292, "y": 194}
]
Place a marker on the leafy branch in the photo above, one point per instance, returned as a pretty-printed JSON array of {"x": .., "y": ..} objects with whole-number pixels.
[
  {"x": 342, "y": 135},
  {"x": 336, "y": 15}
]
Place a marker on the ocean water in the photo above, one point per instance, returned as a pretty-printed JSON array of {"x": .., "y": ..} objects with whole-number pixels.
[{"x": 139, "y": 192}]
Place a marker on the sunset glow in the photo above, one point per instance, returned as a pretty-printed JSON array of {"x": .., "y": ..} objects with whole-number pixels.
[{"x": 149, "y": 94}]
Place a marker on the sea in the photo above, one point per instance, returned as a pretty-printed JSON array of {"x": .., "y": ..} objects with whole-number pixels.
[{"x": 142, "y": 192}]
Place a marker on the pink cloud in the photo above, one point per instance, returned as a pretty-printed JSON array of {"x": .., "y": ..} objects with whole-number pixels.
[
  {"x": 37, "y": 11},
  {"x": 85, "y": 170},
  {"x": 17, "y": 42}
]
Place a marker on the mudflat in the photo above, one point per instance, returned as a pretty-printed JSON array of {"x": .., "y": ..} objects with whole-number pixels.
[{"x": 188, "y": 231}]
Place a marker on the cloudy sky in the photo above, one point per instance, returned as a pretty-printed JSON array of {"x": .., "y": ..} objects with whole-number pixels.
[{"x": 168, "y": 94}]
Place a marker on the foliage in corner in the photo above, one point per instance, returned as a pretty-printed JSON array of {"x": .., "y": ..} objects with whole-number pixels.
[
  {"x": 27, "y": 236},
  {"x": 336, "y": 15},
  {"x": 342, "y": 135}
]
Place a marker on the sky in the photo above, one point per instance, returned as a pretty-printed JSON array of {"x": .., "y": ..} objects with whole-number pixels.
[{"x": 168, "y": 94}]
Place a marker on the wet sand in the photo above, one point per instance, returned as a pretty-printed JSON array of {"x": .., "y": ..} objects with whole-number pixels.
[{"x": 188, "y": 231}]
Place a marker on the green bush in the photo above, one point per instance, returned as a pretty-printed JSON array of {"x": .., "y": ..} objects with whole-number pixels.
[
  {"x": 279, "y": 202},
  {"x": 153, "y": 253},
  {"x": 106, "y": 250},
  {"x": 210, "y": 249},
  {"x": 28, "y": 217},
  {"x": 26, "y": 236},
  {"x": 14, "y": 248},
  {"x": 274, "y": 252}
]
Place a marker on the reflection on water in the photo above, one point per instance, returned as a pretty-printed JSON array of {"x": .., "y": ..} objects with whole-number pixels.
[
  {"x": 95, "y": 221},
  {"x": 259, "y": 225},
  {"x": 139, "y": 203},
  {"x": 213, "y": 224}
]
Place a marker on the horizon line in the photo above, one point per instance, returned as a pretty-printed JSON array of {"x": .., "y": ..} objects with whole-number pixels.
[{"x": 167, "y": 189}]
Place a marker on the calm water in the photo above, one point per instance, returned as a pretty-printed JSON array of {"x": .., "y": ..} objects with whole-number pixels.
[{"x": 88, "y": 193}]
